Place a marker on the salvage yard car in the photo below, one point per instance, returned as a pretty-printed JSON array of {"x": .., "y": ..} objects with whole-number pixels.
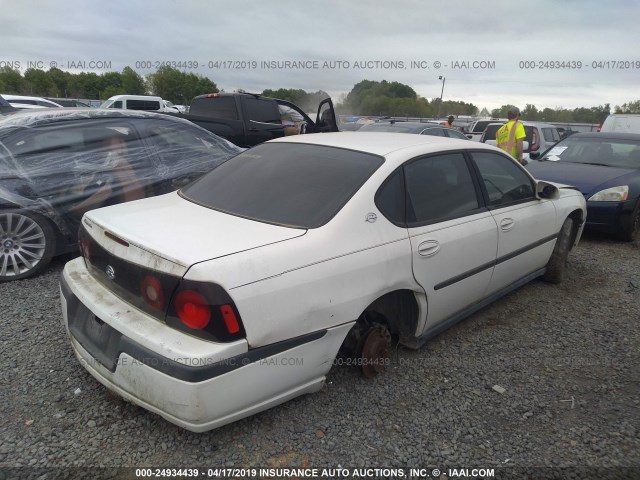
[
  {"x": 236, "y": 293},
  {"x": 55, "y": 164},
  {"x": 606, "y": 168}
]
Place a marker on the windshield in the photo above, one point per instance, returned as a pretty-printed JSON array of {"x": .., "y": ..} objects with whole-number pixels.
[
  {"x": 597, "y": 151},
  {"x": 290, "y": 184},
  {"x": 107, "y": 104}
]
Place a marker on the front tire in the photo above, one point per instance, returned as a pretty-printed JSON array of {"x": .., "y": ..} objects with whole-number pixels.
[
  {"x": 27, "y": 244},
  {"x": 557, "y": 265}
]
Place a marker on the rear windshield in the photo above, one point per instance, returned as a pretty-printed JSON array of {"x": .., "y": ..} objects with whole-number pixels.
[
  {"x": 219, "y": 107},
  {"x": 480, "y": 126},
  {"x": 290, "y": 184}
]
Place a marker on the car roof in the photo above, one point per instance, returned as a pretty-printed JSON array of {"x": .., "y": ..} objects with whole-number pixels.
[
  {"x": 42, "y": 116},
  {"x": 416, "y": 126},
  {"x": 383, "y": 144},
  {"x": 537, "y": 124}
]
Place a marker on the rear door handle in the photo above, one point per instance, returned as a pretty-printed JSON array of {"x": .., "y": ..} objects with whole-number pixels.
[
  {"x": 428, "y": 248},
  {"x": 507, "y": 224}
]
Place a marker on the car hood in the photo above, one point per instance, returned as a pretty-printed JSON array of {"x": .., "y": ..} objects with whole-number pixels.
[
  {"x": 182, "y": 232},
  {"x": 586, "y": 177}
]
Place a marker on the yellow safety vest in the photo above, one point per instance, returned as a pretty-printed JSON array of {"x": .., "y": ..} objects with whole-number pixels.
[{"x": 505, "y": 138}]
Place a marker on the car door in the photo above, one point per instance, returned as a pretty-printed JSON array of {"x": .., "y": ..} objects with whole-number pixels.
[
  {"x": 526, "y": 224},
  {"x": 453, "y": 237},
  {"x": 326, "y": 118}
]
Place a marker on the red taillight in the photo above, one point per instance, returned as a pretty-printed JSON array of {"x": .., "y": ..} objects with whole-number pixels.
[
  {"x": 536, "y": 143},
  {"x": 213, "y": 95},
  {"x": 230, "y": 319},
  {"x": 152, "y": 292},
  {"x": 193, "y": 309}
]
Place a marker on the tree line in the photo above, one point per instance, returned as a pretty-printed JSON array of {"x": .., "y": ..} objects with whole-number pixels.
[
  {"x": 367, "y": 97},
  {"x": 168, "y": 83}
]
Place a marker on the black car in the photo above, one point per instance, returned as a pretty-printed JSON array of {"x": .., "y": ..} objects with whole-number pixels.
[
  {"x": 57, "y": 164},
  {"x": 606, "y": 169},
  {"x": 414, "y": 127}
]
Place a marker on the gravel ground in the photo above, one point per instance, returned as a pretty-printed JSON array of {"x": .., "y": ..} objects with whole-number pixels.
[{"x": 566, "y": 356}]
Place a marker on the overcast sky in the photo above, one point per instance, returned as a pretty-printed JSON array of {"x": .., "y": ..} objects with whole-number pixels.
[{"x": 502, "y": 33}]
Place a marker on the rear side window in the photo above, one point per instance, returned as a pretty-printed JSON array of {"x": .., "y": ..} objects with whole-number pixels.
[
  {"x": 219, "y": 107},
  {"x": 390, "y": 198},
  {"x": 143, "y": 105},
  {"x": 184, "y": 151},
  {"x": 289, "y": 184},
  {"x": 438, "y": 188}
]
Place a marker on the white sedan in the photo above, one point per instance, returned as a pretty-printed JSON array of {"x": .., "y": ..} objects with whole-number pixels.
[{"x": 236, "y": 293}]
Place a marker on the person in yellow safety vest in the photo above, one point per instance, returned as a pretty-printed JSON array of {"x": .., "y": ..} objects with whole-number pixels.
[{"x": 510, "y": 137}]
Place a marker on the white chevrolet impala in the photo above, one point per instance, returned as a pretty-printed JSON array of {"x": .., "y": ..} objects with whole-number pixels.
[{"x": 237, "y": 292}]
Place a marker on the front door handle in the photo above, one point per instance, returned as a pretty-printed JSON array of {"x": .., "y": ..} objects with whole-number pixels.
[
  {"x": 507, "y": 224},
  {"x": 428, "y": 248}
]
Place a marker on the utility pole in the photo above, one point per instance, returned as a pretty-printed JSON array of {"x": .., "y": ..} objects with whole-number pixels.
[{"x": 441, "y": 93}]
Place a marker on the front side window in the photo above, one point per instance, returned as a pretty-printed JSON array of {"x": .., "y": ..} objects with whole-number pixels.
[
  {"x": 438, "y": 188},
  {"x": 550, "y": 134},
  {"x": 262, "y": 110},
  {"x": 290, "y": 184},
  {"x": 504, "y": 181}
]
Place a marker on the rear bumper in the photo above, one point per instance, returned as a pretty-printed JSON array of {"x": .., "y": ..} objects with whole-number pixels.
[{"x": 197, "y": 391}]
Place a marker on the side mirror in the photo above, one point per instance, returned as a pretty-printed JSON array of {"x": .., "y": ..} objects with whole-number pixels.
[
  {"x": 535, "y": 155},
  {"x": 547, "y": 190}
]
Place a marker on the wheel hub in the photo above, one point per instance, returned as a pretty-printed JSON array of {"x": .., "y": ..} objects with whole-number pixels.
[
  {"x": 22, "y": 244},
  {"x": 376, "y": 350}
]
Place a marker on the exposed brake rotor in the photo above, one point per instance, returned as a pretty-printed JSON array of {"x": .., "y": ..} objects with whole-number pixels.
[{"x": 376, "y": 350}]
